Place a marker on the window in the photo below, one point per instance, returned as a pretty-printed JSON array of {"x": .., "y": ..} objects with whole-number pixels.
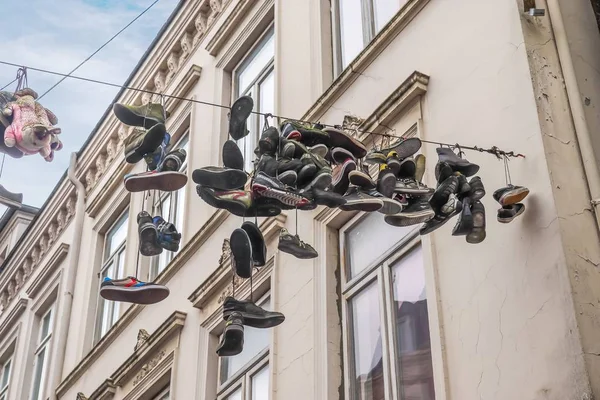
[
  {"x": 255, "y": 77},
  {"x": 42, "y": 355},
  {"x": 4, "y": 379},
  {"x": 386, "y": 335},
  {"x": 170, "y": 206},
  {"x": 112, "y": 267},
  {"x": 246, "y": 376},
  {"x": 357, "y": 22},
  {"x": 164, "y": 394}
]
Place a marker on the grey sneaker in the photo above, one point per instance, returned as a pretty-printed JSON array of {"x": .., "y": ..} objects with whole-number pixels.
[{"x": 292, "y": 244}]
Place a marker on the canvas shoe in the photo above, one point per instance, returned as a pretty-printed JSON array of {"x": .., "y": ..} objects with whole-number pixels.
[
  {"x": 259, "y": 248},
  {"x": 167, "y": 181},
  {"x": 376, "y": 157},
  {"x": 477, "y": 190},
  {"x": 264, "y": 185},
  {"x": 324, "y": 197},
  {"x": 236, "y": 202},
  {"x": 288, "y": 178},
  {"x": 220, "y": 178},
  {"x": 142, "y": 142},
  {"x": 417, "y": 212},
  {"x": 411, "y": 187},
  {"x": 404, "y": 148},
  {"x": 306, "y": 174},
  {"x": 452, "y": 207},
  {"x": 144, "y": 116},
  {"x": 340, "y": 177},
  {"x": 322, "y": 180},
  {"x": 463, "y": 185},
  {"x": 320, "y": 150},
  {"x": 240, "y": 111},
  {"x": 390, "y": 206},
  {"x": 130, "y": 290},
  {"x": 10, "y": 199},
  {"x": 253, "y": 315},
  {"x": 267, "y": 164},
  {"x": 269, "y": 141},
  {"x": 173, "y": 160},
  {"x": 477, "y": 234},
  {"x": 386, "y": 182},
  {"x": 232, "y": 340},
  {"x": 408, "y": 168},
  {"x": 309, "y": 136},
  {"x": 264, "y": 207},
  {"x": 288, "y": 164},
  {"x": 361, "y": 179},
  {"x": 338, "y": 138},
  {"x": 420, "y": 162},
  {"x": 464, "y": 223},
  {"x": 442, "y": 171},
  {"x": 292, "y": 244},
  {"x": 148, "y": 233},
  {"x": 287, "y": 148},
  {"x": 508, "y": 213},
  {"x": 155, "y": 159},
  {"x": 393, "y": 162},
  {"x": 232, "y": 155},
  {"x": 443, "y": 192},
  {"x": 457, "y": 163},
  {"x": 241, "y": 253},
  {"x": 510, "y": 195},
  {"x": 357, "y": 200},
  {"x": 340, "y": 155},
  {"x": 168, "y": 237}
]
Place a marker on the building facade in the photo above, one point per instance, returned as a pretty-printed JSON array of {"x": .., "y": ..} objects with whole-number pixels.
[{"x": 382, "y": 313}]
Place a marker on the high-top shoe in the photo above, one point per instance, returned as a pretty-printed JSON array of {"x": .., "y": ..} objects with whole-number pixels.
[
  {"x": 253, "y": 315},
  {"x": 232, "y": 340},
  {"x": 292, "y": 244},
  {"x": 457, "y": 163},
  {"x": 148, "y": 234}
]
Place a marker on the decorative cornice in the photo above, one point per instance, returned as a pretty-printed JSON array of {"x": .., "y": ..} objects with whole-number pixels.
[
  {"x": 42, "y": 278},
  {"x": 12, "y": 316},
  {"x": 106, "y": 391},
  {"x": 231, "y": 23},
  {"x": 365, "y": 58}
]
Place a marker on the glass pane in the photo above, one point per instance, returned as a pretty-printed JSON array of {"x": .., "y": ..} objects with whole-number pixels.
[
  {"x": 412, "y": 327},
  {"x": 37, "y": 379},
  {"x": 260, "y": 384},
  {"x": 385, "y": 10},
  {"x": 237, "y": 395},
  {"x": 179, "y": 208},
  {"x": 351, "y": 29},
  {"x": 45, "y": 326},
  {"x": 368, "y": 240},
  {"x": 116, "y": 236},
  {"x": 5, "y": 375},
  {"x": 255, "y": 341},
  {"x": 120, "y": 266},
  {"x": 256, "y": 63},
  {"x": 368, "y": 353},
  {"x": 267, "y": 98},
  {"x": 106, "y": 321}
]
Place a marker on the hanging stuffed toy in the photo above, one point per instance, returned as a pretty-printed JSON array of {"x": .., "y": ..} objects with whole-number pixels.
[{"x": 32, "y": 128}]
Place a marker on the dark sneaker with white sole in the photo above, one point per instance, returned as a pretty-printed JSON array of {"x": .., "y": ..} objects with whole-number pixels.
[
  {"x": 166, "y": 181},
  {"x": 253, "y": 315},
  {"x": 477, "y": 234},
  {"x": 168, "y": 237},
  {"x": 237, "y": 202},
  {"x": 306, "y": 174},
  {"x": 148, "y": 235},
  {"x": 457, "y": 163},
  {"x": 156, "y": 158},
  {"x": 443, "y": 192},
  {"x": 220, "y": 178},
  {"x": 130, "y": 290},
  {"x": 292, "y": 244},
  {"x": 321, "y": 181},
  {"x": 288, "y": 178},
  {"x": 173, "y": 160},
  {"x": 393, "y": 162},
  {"x": 452, "y": 207},
  {"x": 269, "y": 141},
  {"x": 232, "y": 340},
  {"x": 340, "y": 155},
  {"x": 508, "y": 213},
  {"x": 340, "y": 176},
  {"x": 240, "y": 111},
  {"x": 232, "y": 155},
  {"x": 361, "y": 179},
  {"x": 510, "y": 195},
  {"x": 358, "y": 200},
  {"x": 339, "y": 138},
  {"x": 324, "y": 197},
  {"x": 309, "y": 136},
  {"x": 241, "y": 253},
  {"x": 264, "y": 185},
  {"x": 477, "y": 190},
  {"x": 417, "y": 212},
  {"x": 141, "y": 143},
  {"x": 259, "y": 248},
  {"x": 411, "y": 187},
  {"x": 390, "y": 206},
  {"x": 386, "y": 182},
  {"x": 464, "y": 222}
]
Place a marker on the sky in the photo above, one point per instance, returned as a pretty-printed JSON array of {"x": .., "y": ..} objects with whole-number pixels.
[{"x": 58, "y": 39}]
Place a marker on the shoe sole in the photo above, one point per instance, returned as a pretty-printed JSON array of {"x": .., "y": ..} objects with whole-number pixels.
[
  {"x": 241, "y": 252},
  {"x": 420, "y": 167},
  {"x": 465, "y": 223},
  {"x": 306, "y": 174},
  {"x": 386, "y": 185},
  {"x": 288, "y": 178},
  {"x": 234, "y": 338},
  {"x": 254, "y": 321},
  {"x": 167, "y": 181},
  {"x": 128, "y": 117},
  {"x": 137, "y": 295},
  {"x": 507, "y": 220},
  {"x": 377, "y": 158},
  {"x": 320, "y": 150},
  {"x": 149, "y": 240},
  {"x": 152, "y": 140},
  {"x": 284, "y": 197},
  {"x": 343, "y": 156},
  {"x": 224, "y": 179},
  {"x": 407, "y": 147},
  {"x": 232, "y": 156},
  {"x": 477, "y": 234},
  {"x": 408, "y": 219},
  {"x": 362, "y": 205},
  {"x": 442, "y": 223},
  {"x": 257, "y": 240},
  {"x": 234, "y": 207},
  {"x": 515, "y": 196},
  {"x": 415, "y": 192},
  {"x": 408, "y": 168},
  {"x": 390, "y": 207},
  {"x": 340, "y": 185},
  {"x": 321, "y": 181},
  {"x": 361, "y": 179},
  {"x": 240, "y": 111},
  {"x": 340, "y": 139}
]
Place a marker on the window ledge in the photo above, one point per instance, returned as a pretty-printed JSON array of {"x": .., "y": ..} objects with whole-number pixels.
[{"x": 365, "y": 58}]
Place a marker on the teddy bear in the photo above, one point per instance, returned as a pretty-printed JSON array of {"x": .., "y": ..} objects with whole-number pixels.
[{"x": 32, "y": 128}]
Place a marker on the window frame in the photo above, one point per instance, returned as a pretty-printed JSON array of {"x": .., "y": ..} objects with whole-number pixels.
[
  {"x": 163, "y": 391},
  {"x": 4, "y": 389},
  {"x": 109, "y": 260},
  {"x": 378, "y": 272},
  {"x": 43, "y": 345}
]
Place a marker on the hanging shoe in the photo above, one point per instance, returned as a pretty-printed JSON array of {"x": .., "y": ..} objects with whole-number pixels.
[
  {"x": 259, "y": 248},
  {"x": 220, "y": 178},
  {"x": 510, "y": 195},
  {"x": 306, "y": 174},
  {"x": 452, "y": 207},
  {"x": 477, "y": 234},
  {"x": 420, "y": 163},
  {"x": 287, "y": 148},
  {"x": 320, "y": 150},
  {"x": 443, "y": 192},
  {"x": 322, "y": 180},
  {"x": 174, "y": 161},
  {"x": 457, "y": 163},
  {"x": 155, "y": 159},
  {"x": 404, "y": 147},
  {"x": 324, "y": 197},
  {"x": 477, "y": 190},
  {"x": 168, "y": 238},
  {"x": 142, "y": 142},
  {"x": 292, "y": 244},
  {"x": 130, "y": 290},
  {"x": 287, "y": 164},
  {"x": 338, "y": 138},
  {"x": 393, "y": 162},
  {"x": 390, "y": 206},
  {"x": 417, "y": 212},
  {"x": 148, "y": 233},
  {"x": 309, "y": 136},
  {"x": 386, "y": 182},
  {"x": 232, "y": 340},
  {"x": 357, "y": 200},
  {"x": 508, "y": 213},
  {"x": 340, "y": 177},
  {"x": 144, "y": 116},
  {"x": 167, "y": 181},
  {"x": 407, "y": 168},
  {"x": 240, "y": 111},
  {"x": 464, "y": 224},
  {"x": 269, "y": 141},
  {"x": 232, "y": 155},
  {"x": 236, "y": 202},
  {"x": 443, "y": 170},
  {"x": 253, "y": 315},
  {"x": 264, "y": 185},
  {"x": 10, "y": 199},
  {"x": 464, "y": 188},
  {"x": 361, "y": 179},
  {"x": 410, "y": 186},
  {"x": 263, "y": 207},
  {"x": 376, "y": 157},
  {"x": 241, "y": 253},
  {"x": 340, "y": 155},
  {"x": 288, "y": 178}
]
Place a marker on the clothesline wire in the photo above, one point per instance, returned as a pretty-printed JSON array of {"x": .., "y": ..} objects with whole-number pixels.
[
  {"x": 8, "y": 84},
  {"x": 499, "y": 153},
  {"x": 100, "y": 48}
]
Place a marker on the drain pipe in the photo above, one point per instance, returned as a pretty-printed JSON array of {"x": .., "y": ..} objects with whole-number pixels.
[
  {"x": 582, "y": 131},
  {"x": 69, "y": 283}
]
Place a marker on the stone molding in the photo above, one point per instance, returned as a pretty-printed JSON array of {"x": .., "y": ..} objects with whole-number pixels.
[
  {"x": 231, "y": 23},
  {"x": 12, "y": 317},
  {"x": 43, "y": 277}
]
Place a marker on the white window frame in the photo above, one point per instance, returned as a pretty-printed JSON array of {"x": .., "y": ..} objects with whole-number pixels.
[
  {"x": 160, "y": 262},
  {"x": 43, "y": 346},
  {"x": 5, "y": 385},
  {"x": 161, "y": 395},
  {"x": 256, "y": 122},
  {"x": 379, "y": 271},
  {"x": 242, "y": 379},
  {"x": 108, "y": 260}
]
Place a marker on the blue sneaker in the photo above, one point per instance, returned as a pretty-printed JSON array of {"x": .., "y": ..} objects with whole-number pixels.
[
  {"x": 168, "y": 237},
  {"x": 156, "y": 158}
]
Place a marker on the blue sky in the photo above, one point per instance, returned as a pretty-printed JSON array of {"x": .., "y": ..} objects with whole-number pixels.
[{"x": 58, "y": 39}]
